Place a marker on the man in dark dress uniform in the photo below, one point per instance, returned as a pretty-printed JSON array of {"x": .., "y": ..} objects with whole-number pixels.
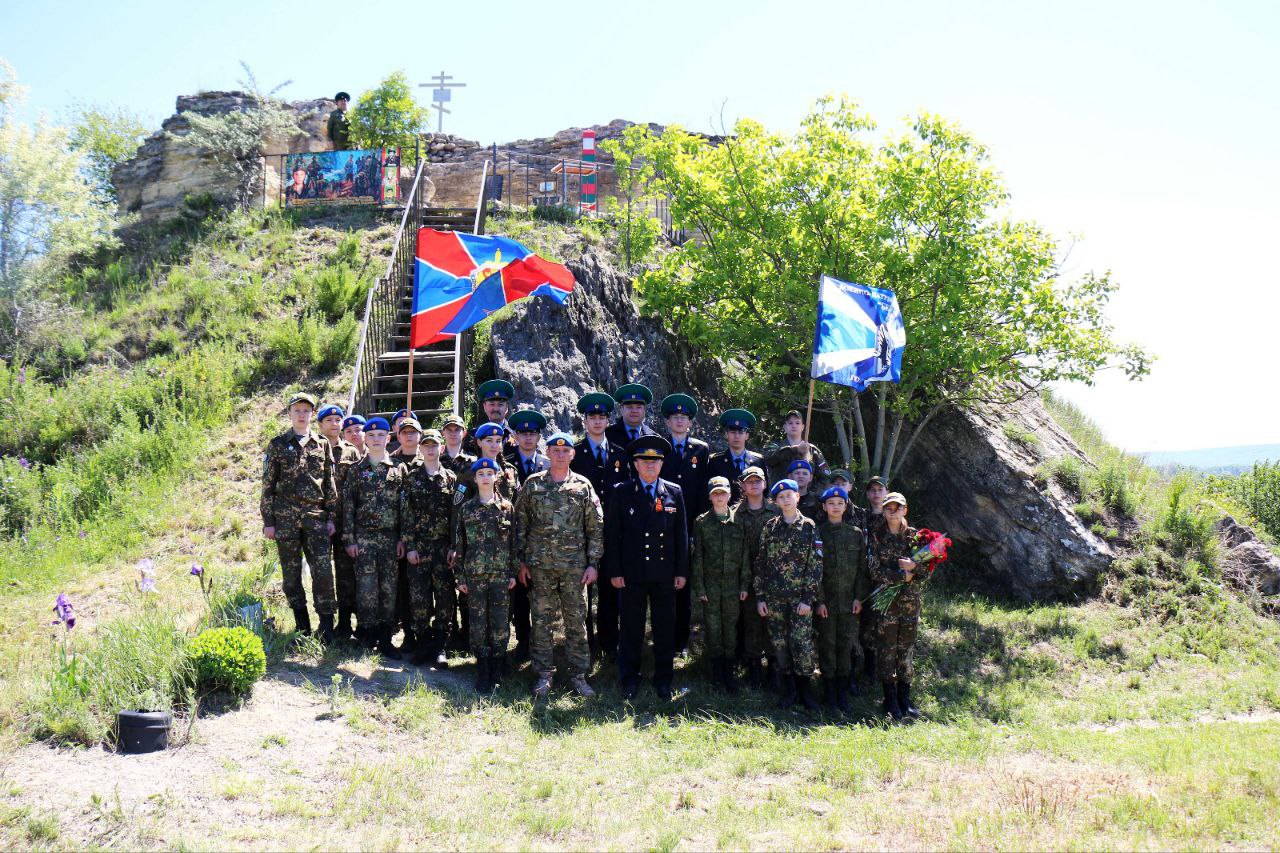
[
  {"x": 605, "y": 464},
  {"x": 632, "y": 399},
  {"x": 687, "y": 468},
  {"x": 495, "y": 398},
  {"x": 736, "y": 424},
  {"x": 647, "y": 560}
]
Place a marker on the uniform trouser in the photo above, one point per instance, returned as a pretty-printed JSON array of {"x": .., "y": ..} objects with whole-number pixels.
[
  {"x": 792, "y": 637},
  {"x": 604, "y": 625},
  {"x": 684, "y": 616},
  {"x": 838, "y": 640},
  {"x": 659, "y": 599},
  {"x": 376, "y": 576},
  {"x": 720, "y": 621},
  {"x": 299, "y": 535},
  {"x": 522, "y": 613},
  {"x": 403, "y": 606},
  {"x": 344, "y": 575},
  {"x": 896, "y": 640},
  {"x": 556, "y": 595},
  {"x": 462, "y": 620},
  {"x": 867, "y": 642},
  {"x": 432, "y": 597},
  {"x": 488, "y": 603},
  {"x": 755, "y": 636}
]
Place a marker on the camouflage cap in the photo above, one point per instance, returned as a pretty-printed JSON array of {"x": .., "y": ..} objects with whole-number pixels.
[
  {"x": 453, "y": 421},
  {"x": 303, "y": 397},
  {"x": 408, "y": 423},
  {"x": 752, "y": 471},
  {"x": 718, "y": 484},
  {"x": 842, "y": 473},
  {"x": 876, "y": 481},
  {"x": 431, "y": 435},
  {"x": 895, "y": 498}
]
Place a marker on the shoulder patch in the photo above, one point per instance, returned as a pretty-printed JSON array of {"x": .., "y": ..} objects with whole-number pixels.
[{"x": 459, "y": 494}]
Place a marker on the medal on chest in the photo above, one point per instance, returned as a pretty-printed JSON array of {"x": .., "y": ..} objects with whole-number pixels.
[
  {"x": 693, "y": 463},
  {"x": 617, "y": 466},
  {"x": 657, "y": 504}
]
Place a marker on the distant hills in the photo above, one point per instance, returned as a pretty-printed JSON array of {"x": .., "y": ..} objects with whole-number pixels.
[{"x": 1217, "y": 460}]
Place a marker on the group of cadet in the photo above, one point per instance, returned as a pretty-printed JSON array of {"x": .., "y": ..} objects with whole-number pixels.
[{"x": 456, "y": 536}]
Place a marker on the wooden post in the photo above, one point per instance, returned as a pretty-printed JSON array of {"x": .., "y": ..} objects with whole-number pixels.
[
  {"x": 808, "y": 418},
  {"x": 408, "y": 401}
]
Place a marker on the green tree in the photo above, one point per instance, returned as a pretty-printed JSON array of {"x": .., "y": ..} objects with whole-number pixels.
[
  {"x": 639, "y": 231},
  {"x": 106, "y": 137},
  {"x": 238, "y": 139},
  {"x": 387, "y": 115},
  {"x": 988, "y": 318}
]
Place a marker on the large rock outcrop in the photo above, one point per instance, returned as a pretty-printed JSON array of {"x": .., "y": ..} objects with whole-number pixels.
[
  {"x": 1248, "y": 562},
  {"x": 967, "y": 475}
]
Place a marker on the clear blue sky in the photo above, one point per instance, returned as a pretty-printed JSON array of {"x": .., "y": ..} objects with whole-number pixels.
[{"x": 1150, "y": 129}]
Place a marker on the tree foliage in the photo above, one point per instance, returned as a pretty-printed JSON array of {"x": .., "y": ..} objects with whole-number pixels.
[
  {"x": 237, "y": 140},
  {"x": 638, "y": 230},
  {"x": 988, "y": 317},
  {"x": 387, "y": 115},
  {"x": 106, "y": 137}
]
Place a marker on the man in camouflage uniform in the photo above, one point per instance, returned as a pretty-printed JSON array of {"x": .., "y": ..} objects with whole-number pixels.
[
  {"x": 869, "y": 519},
  {"x": 339, "y": 127},
  {"x": 459, "y": 461},
  {"x": 429, "y": 490},
  {"x": 810, "y": 502},
  {"x": 892, "y": 543},
  {"x": 778, "y": 455},
  {"x": 751, "y": 513},
  {"x": 299, "y": 501},
  {"x": 402, "y": 447},
  {"x": 485, "y": 555},
  {"x": 559, "y": 527},
  {"x": 719, "y": 570},
  {"x": 787, "y": 572},
  {"x": 353, "y": 431},
  {"x": 373, "y": 509},
  {"x": 845, "y": 585},
  {"x": 345, "y": 455}
]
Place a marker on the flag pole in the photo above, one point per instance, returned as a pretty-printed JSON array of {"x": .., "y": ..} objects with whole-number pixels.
[
  {"x": 808, "y": 418},
  {"x": 408, "y": 402},
  {"x": 457, "y": 374},
  {"x": 808, "y": 415}
]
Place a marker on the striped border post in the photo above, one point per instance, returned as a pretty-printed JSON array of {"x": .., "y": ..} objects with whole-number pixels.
[{"x": 588, "y": 203}]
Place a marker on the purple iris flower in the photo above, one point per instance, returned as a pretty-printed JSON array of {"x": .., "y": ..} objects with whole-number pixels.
[
  {"x": 62, "y": 608},
  {"x": 197, "y": 569},
  {"x": 22, "y": 460}
]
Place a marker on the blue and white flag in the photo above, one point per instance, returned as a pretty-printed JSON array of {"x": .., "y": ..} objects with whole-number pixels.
[{"x": 860, "y": 335}]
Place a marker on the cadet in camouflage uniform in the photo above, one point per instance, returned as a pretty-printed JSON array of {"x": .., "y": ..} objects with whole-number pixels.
[
  {"x": 429, "y": 490},
  {"x": 892, "y": 543},
  {"x": 484, "y": 552},
  {"x": 809, "y": 503},
  {"x": 298, "y": 504},
  {"x": 345, "y": 455},
  {"x": 719, "y": 569},
  {"x": 778, "y": 455},
  {"x": 751, "y": 513},
  {"x": 353, "y": 431},
  {"x": 559, "y": 527},
  {"x": 845, "y": 584},
  {"x": 373, "y": 507},
  {"x": 787, "y": 573},
  {"x": 459, "y": 461}
]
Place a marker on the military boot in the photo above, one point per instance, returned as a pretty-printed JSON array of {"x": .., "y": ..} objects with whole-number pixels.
[
  {"x": 869, "y": 669},
  {"x": 326, "y": 628},
  {"x": 302, "y": 618},
  {"x": 830, "y": 694},
  {"x": 345, "y": 616},
  {"x": 386, "y": 648},
  {"x": 483, "y": 681},
  {"x": 891, "y": 706},
  {"x": 729, "y": 681},
  {"x": 804, "y": 690},
  {"x": 421, "y": 654},
  {"x": 542, "y": 689},
  {"x": 410, "y": 641},
  {"x": 843, "y": 702},
  {"x": 852, "y": 686},
  {"x": 787, "y": 695},
  {"x": 497, "y": 669},
  {"x": 717, "y": 672},
  {"x": 904, "y": 701},
  {"x": 755, "y": 674},
  {"x": 776, "y": 681}
]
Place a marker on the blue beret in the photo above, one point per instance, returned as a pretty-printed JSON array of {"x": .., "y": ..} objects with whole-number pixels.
[
  {"x": 353, "y": 419},
  {"x": 330, "y": 410},
  {"x": 784, "y": 486},
  {"x": 486, "y": 430},
  {"x": 484, "y": 462},
  {"x": 560, "y": 439},
  {"x": 377, "y": 423},
  {"x": 400, "y": 414},
  {"x": 800, "y": 463},
  {"x": 835, "y": 492}
]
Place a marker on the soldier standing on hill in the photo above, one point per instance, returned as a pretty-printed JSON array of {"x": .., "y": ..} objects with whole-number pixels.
[
  {"x": 339, "y": 127},
  {"x": 345, "y": 456},
  {"x": 299, "y": 501},
  {"x": 429, "y": 490}
]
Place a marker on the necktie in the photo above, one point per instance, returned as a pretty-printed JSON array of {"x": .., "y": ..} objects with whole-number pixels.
[
  {"x": 528, "y": 467},
  {"x": 737, "y": 462},
  {"x": 679, "y": 451},
  {"x": 649, "y": 489},
  {"x": 633, "y": 434},
  {"x": 600, "y": 455}
]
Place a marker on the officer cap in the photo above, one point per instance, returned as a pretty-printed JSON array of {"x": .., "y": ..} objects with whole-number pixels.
[
  {"x": 800, "y": 463},
  {"x": 495, "y": 389},
  {"x": 527, "y": 419},
  {"x": 737, "y": 419},
  {"x": 633, "y": 392},
  {"x": 484, "y": 462},
  {"x": 408, "y": 423},
  {"x": 560, "y": 439},
  {"x": 895, "y": 498},
  {"x": 834, "y": 492},
  {"x": 342, "y": 96},
  {"x": 454, "y": 421},
  {"x": 596, "y": 403},
  {"x": 843, "y": 474},
  {"x": 752, "y": 471},
  {"x": 718, "y": 484},
  {"x": 377, "y": 423},
  {"x": 403, "y": 412},
  {"x": 877, "y": 480},
  {"x": 353, "y": 420},
  {"x": 303, "y": 397},
  {"x": 330, "y": 410},
  {"x": 679, "y": 404},
  {"x": 784, "y": 486},
  {"x": 486, "y": 430},
  {"x": 650, "y": 447},
  {"x": 431, "y": 435}
]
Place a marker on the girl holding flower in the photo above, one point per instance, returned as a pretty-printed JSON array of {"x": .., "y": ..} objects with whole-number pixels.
[{"x": 892, "y": 543}]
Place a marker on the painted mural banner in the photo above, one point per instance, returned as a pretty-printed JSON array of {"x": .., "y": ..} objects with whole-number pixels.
[{"x": 342, "y": 177}]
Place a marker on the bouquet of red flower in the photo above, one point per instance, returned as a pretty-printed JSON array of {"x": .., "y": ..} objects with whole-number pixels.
[{"x": 930, "y": 551}]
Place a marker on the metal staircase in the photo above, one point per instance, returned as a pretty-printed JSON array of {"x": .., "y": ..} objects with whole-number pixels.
[{"x": 380, "y": 384}]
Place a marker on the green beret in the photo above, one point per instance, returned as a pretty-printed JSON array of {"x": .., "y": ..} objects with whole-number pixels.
[
  {"x": 737, "y": 419},
  {"x": 527, "y": 419},
  {"x": 633, "y": 392},
  {"x": 596, "y": 403},
  {"x": 679, "y": 404},
  {"x": 495, "y": 389}
]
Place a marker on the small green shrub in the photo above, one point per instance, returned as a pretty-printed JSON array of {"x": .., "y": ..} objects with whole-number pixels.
[
  {"x": 337, "y": 291},
  {"x": 562, "y": 214},
  {"x": 1114, "y": 489},
  {"x": 1188, "y": 528},
  {"x": 1022, "y": 436},
  {"x": 228, "y": 659},
  {"x": 332, "y": 345},
  {"x": 348, "y": 251},
  {"x": 1067, "y": 471}
]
